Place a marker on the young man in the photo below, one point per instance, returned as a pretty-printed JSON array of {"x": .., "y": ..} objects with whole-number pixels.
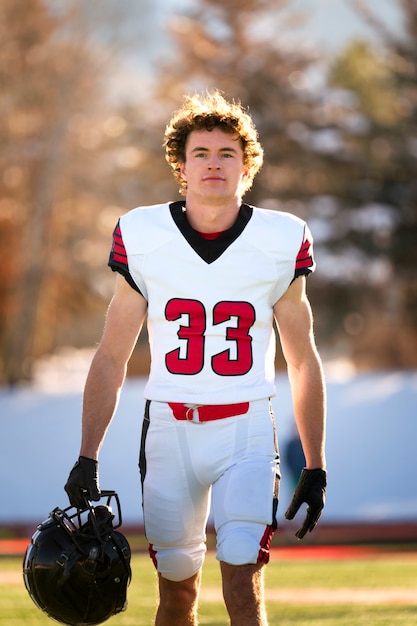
[{"x": 211, "y": 274}]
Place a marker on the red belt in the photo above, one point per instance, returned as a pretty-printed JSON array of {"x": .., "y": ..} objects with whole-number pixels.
[{"x": 207, "y": 412}]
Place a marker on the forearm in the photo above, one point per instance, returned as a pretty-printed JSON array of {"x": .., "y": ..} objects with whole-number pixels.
[
  {"x": 309, "y": 404},
  {"x": 101, "y": 395}
]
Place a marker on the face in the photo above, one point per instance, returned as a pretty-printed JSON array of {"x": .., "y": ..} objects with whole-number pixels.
[{"x": 213, "y": 165}]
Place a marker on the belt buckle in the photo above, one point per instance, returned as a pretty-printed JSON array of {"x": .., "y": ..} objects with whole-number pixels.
[{"x": 195, "y": 418}]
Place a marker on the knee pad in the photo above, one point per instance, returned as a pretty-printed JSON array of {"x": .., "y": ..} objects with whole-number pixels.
[
  {"x": 243, "y": 544},
  {"x": 178, "y": 564}
]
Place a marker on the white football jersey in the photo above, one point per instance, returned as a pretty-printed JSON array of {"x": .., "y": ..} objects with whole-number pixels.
[{"x": 210, "y": 302}]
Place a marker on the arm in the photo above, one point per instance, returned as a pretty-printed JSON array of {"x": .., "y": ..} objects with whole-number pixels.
[
  {"x": 295, "y": 326},
  {"x": 107, "y": 372},
  {"x": 124, "y": 321}
]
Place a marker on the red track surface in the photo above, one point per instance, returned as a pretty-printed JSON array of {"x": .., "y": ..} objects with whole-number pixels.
[{"x": 10, "y": 547}]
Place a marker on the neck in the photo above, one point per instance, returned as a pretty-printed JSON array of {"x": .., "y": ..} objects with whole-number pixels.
[{"x": 210, "y": 218}]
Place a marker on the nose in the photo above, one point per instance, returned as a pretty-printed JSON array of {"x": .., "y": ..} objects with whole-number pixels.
[{"x": 213, "y": 162}]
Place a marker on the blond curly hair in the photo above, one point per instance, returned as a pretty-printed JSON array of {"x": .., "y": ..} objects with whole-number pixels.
[{"x": 206, "y": 112}]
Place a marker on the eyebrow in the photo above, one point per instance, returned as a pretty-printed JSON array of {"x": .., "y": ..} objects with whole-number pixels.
[{"x": 203, "y": 149}]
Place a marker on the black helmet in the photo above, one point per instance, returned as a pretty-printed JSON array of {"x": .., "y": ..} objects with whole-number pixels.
[{"x": 77, "y": 567}]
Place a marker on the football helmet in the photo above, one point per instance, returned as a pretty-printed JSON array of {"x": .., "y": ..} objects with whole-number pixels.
[{"x": 77, "y": 566}]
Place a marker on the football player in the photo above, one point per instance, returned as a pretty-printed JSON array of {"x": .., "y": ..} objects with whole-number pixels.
[{"x": 211, "y": 274}]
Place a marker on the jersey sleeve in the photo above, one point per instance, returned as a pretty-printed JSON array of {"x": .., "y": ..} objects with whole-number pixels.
[
  {"x": 118, "y": 258},
  {"x": 304, "y": 263}
]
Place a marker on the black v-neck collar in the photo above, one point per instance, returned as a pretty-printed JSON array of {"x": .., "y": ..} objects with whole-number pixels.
[{"x": 209, "y": 249}]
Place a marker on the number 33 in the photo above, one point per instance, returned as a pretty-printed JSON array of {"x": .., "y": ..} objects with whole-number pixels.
[{"x": 194, "y": 334}]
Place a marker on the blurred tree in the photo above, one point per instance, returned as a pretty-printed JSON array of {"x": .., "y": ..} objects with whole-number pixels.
[
  {"x": 62, "y": 148},
  {"x": 31, "y": 156},
  {"x": 381, "y": 191},
  {"x": 75, "y": 154}
]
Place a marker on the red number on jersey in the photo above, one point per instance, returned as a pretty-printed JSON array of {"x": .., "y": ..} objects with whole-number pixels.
[
  {"x": 193, "y": 361},
  {"x": 244, "y": 313}
]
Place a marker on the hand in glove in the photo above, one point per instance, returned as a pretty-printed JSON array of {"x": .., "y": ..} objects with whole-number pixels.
[
  {"x": 311, "y": 489},
  {"x": 83, "y": 483}
]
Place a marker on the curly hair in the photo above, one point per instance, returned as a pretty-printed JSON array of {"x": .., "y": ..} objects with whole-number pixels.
[{"x": 206, "y": 112}]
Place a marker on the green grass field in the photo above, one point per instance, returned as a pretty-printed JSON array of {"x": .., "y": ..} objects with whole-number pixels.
[{"x": 380, "y": 591}]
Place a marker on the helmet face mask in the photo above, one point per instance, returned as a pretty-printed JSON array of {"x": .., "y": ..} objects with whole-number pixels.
[{"x": 77, "y": 566}]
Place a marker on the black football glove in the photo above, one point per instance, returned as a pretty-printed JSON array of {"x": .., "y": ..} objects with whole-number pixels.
[
  {"x": 82, "y": 483},
  {"x": 311, "y": 489}
]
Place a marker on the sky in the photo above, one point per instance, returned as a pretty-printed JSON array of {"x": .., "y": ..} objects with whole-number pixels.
[
  {"x": 331, "y": 24},
  {"x": 328, "y": 27}
]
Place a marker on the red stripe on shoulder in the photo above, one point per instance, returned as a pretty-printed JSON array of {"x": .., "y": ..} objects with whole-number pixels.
[
  {"x": 305, "y": 255},
  {"x": 118, "y": 252}
]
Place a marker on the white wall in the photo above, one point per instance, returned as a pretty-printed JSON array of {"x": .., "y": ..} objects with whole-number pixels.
[{"x": 372, "y": 460}]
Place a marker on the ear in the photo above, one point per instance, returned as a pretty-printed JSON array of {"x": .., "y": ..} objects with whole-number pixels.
[{"x": 182, "y": 171}]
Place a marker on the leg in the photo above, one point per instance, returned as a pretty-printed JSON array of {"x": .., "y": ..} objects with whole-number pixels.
[
  {"x": 175, "y": 502},
  {"x": 178, "y": 602},
  {"x": 175, "y": 510},
  {"x": 245, "y": 500},
  {"x": 243, "y": 591}
]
